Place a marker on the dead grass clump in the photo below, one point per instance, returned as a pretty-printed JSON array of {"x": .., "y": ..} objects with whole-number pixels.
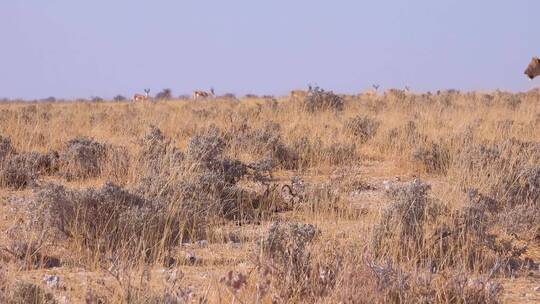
[
  {"x": 25, "y": 292},
  {"x": 203, "y": 187},
  {"x": 266, "y": 142},
  {"x": 157, "y": 154},
  {"x": 6, "y": 149},
  {"x": 15, "y": 174},
  {"x": 285, "y": 249},
  {"x": 417, "y": 229},
  {"x": 116, "y": 164},
  {"x": 137, "y": 287},
  {"x": 338, "y": 153},
  {"x": 396, "y": 285},
  {"x": 404, "y": 138},
  {"x": 206, "y": 147},
  {"x": 464, "y": 240},
  {"x": 259, "y": 140},
  {"x": 211, "y": 181},
  {"x": 362, "y": 127},
  {"x": 525, "y": 188},
  {"x": 435, "y": 158},
  {"x": 318, "y": 99},
  {"x": 105, "y": 220},
  {"x": 81, "y": 158},
  {"x": 41, "y": 163},
  {"x": 20, "y": 170},
  {"x": 476, "y": 158},
  {"x": 521, "y": 221},
  {"x": 508, "y": 171},
  {"x": 29, "y": 254},
  {"x": 400, "y": 232},
  {"x": 313, "y": 152}
]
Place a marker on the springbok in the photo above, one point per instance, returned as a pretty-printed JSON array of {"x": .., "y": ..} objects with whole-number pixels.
[
  {"x": 297, "y": 94},
  {"x": 142, "y": 97},
  {"x": 533, "y": 69},
  {"x": 203, "y": 94}
]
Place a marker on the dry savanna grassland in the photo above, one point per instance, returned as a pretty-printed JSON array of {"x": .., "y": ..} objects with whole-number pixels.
[{"x": 323, "y": 198}]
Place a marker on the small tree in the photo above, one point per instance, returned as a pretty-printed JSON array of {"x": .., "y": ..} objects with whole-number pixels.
[
  {"x": 164, "y": 94},
  {"x": 119, "y": 98}
]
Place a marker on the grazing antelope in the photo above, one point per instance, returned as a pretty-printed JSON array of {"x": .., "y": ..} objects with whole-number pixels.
[
  {"x": 203, "y": 94},
  {"x": 533, "y": 69},
  {"x": 142, "y": 97},
  {"x": 297, "y": 94}
]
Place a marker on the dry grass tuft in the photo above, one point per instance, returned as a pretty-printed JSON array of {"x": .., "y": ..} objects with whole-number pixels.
[
  {"x": 131, "y": 194},
  {"x": 362, "y": 127}
]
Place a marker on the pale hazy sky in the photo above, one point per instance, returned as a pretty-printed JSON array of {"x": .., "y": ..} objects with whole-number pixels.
[{"x": 68, "y": 48}]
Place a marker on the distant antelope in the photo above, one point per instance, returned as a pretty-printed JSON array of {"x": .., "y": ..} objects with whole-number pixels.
[
  {"x": 142, "y": 97},
  {"x": 533, "y": 69},
  {"x": 370, "y": 92},
  {"x": 203, "y": 94},
  {"x": 297, "y": 94}
]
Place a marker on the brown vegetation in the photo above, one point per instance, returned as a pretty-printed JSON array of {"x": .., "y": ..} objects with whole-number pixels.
[{"x": 318, "y": 198}]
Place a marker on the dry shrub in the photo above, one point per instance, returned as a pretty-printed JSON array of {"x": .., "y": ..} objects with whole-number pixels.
[
  {"x": 81, "y": 158},
  {"x": 285, "y": 249},
  {"x": 522, "y": 221},
  {"x": 229, "y": 96},
  {"x": 400, "y": 231},
  {"x": 318, "y": 99},
  {"x": 266, "y": 142},
  {"x": 136, "y": 287},
  {"x": 15, "y": 174},
  {"x": 211, "y": 180},
  {"x": 119, "y": 98},
  {"x": 41, "y": 163},
  {"x": 201, "y": 186},
  {"x": 404, "y": 138},
  {"x": 415, "y": 228},
  {"x": 362, "y": 127},
  {"x": 387, "y": 283},
  {"x": 337, "y": 153},
  {"x": 116, "y": 164},
  {"x": 21, "y": 170},
  {"x": 29, "y": 254},
  {"x": 508, "y": 171},
  {"x": 25, "y": 292},
  {"x": 207, "y": 147},
  {"x": 6, "y": 149},
  {"x": 435, "y": 158},
  {"x": 105, "y": 220},
  {"x": 165, "y": 94},
  {"x": 464, "y": 239},
  {"x": 157, "y": 154}
]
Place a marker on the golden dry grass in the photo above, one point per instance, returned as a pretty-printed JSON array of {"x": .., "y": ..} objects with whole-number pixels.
[{"x": 430, "y": 137}]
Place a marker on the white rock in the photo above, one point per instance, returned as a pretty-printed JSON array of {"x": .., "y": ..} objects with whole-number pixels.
[{"x": 52, "y": 281}]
